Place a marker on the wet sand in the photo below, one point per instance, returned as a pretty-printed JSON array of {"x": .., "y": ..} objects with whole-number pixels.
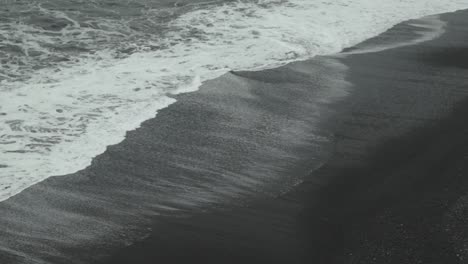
[
  {"x": 393, "y": 191},
  {"x": 377, "y": 141}
]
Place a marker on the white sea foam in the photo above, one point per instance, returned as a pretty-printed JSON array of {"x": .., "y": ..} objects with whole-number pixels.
[
  {"x": 428, "y": 28},
  {"x": 58, "y": 118}
]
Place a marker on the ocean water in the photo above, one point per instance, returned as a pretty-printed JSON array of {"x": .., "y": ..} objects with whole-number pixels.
[{"x": 76, "y": 75}]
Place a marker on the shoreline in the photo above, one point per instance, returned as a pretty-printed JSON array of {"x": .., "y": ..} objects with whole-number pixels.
[
  {"x": 360, "y": 127},
  {"x": 342, "y": 213},
  {"x": 166, "y": 100}
]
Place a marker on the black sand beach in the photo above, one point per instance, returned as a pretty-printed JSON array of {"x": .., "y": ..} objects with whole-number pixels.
[
  {"x": 340, "y": 159},
  {"x": 394, "y": 190}
]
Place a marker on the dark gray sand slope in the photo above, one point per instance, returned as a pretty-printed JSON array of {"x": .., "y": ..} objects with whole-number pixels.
[
  {"x": 393, "y": 191},
  {"x": 213, "y": 178}
]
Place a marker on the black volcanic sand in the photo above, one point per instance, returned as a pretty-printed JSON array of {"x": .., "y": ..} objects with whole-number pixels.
[
  {"x": 204, "y": 178},
  {"x": 395, "y": 189}
]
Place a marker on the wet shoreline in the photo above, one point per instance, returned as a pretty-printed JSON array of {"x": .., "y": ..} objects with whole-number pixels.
[
  {"x": 396, "y": 170},
  {"x": 206, "y": 178}
]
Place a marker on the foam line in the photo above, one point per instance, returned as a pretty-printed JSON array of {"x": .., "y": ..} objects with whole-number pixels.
[{"x": 56, "y": 116}]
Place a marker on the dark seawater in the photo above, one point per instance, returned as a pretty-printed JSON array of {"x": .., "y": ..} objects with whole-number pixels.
[{"x": 36, "y": 34}]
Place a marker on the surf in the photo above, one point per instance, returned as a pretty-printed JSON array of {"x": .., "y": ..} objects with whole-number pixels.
[{"x": 58, "y": 115}]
